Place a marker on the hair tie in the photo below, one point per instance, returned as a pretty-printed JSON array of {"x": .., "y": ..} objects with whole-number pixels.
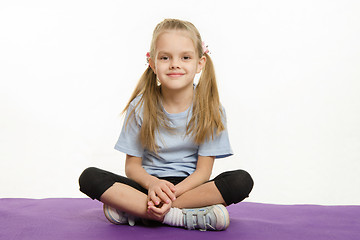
[
  {"x": 205, "y": 48},
  {"x": 147, "y": 57}
]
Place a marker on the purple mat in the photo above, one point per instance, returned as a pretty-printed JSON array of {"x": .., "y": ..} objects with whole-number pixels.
[{"x": 83, "y": 219}]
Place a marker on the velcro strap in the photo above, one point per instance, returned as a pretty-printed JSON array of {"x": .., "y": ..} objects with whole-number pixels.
[
  {"x": 201, "y": 221},
  {"x": 190, "y": 220}
]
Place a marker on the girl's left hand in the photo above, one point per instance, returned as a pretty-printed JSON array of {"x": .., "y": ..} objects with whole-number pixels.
[
  {"x": 161, "y": 191},
  {"x": 158, "y": 212}
]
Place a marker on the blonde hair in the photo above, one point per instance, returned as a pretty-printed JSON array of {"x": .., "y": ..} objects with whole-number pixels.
[{"x": 206, "y": 119}]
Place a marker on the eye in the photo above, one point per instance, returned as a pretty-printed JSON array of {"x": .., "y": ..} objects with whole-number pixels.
[
  {"x": 165, "y": 58},
  {"x": 186, "y": 57}
]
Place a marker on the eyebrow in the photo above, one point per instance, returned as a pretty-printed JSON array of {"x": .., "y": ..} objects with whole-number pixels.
[{"x": 185, "y": 52}]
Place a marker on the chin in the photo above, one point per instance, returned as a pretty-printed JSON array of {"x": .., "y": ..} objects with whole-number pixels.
[{"x": 177, "y": 86}]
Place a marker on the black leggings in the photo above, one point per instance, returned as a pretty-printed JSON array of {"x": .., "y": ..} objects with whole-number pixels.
[{"x": 234, "y": 186}]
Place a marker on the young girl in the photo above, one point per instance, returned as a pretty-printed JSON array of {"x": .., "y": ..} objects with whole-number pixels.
[{"x": 172, "y": 133}]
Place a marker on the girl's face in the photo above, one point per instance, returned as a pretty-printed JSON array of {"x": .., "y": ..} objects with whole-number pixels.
[{"x": 176, "y": 61}]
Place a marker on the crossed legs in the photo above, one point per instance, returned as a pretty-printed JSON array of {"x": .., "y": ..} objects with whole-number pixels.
[
  {"x": 134, "y": 202},
  {"x": 128, "y": 196}
]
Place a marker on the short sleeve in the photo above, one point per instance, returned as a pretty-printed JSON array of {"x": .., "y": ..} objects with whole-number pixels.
[
  {"x": 219, "y": 146},
  {"x": 129, "y": 141}
]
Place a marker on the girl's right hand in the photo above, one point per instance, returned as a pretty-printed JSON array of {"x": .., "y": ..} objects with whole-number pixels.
[
  {"x": 161, "y": 191},
  {"x": 158, "y": 213}
]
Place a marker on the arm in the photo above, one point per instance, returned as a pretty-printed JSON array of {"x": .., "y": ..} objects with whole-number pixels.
[
  {"x": 199, "y": 176},
  {"x": 135, "y": 171}
]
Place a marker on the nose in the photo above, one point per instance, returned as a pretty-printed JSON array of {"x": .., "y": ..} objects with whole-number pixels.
[{"x": 174, "y": 64}]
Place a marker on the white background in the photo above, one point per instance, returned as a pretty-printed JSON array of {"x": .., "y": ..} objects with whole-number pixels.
[{"x": 288, "y": 74}]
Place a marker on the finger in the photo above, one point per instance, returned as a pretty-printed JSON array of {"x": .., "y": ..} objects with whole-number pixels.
[
  {"x": 149, "y": 201},
  {"x": 160, "y": 208},
  {"x": 170, "y": 189},
  {"x": 156, "y": 217},
  {"x": 152, "y": 214},
  {"x": 154, "y": 198},
  {"x": 170, "y": 194},
  {"x": 155, "y": 210},
  {"x": 171, "y": 186},
  {"x": 165, "y": 208},
  {"x": 160, "y": 211},
  {"x": 163, "y": 196}
]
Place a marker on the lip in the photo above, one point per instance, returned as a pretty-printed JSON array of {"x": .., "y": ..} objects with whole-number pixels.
[{"x": 175, "y": 74}]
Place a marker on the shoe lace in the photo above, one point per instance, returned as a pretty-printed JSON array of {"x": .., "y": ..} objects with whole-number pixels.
[
  {"x": 131, "y": 220},
  {"x": 127, "y": 217}
]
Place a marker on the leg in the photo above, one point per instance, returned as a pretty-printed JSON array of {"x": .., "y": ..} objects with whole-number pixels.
[
  {"x": 206, "y": 194},
  {"x": 116, "y": 191},
  {"x": 227, "y": 188},
  {"x": 126, "y": 199}
]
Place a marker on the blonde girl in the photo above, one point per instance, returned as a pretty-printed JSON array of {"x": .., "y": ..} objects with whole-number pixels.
[{"x": 172, "y": 133}]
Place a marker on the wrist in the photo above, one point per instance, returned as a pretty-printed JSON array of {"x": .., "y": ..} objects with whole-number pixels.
[
  {"x": 179, "y": 191},
  {"x": 150, "y": 180}
]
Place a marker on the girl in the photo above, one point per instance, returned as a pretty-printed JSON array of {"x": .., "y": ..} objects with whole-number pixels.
[{"x": 172, "y": 133}]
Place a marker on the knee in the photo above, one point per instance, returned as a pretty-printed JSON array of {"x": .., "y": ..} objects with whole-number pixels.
[
  {"x": 236, "y": 185},
  {"x": 242, "y": 182},
  {"x": 86, "y": 179}
]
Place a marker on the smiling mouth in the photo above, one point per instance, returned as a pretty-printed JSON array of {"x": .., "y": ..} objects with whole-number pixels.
[{"x": 175, "y": 74}]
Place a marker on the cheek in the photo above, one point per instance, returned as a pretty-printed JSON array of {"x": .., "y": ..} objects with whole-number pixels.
[{"x": 160, "y": 68}]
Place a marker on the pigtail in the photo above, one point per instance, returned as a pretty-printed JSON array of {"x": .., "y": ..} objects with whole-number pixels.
[
  {"x": 140, "y": 87},
  {"x": 153, "y": 114},
  {"x": 207, "y": 113},
  {"x": 150, "y": 104}
]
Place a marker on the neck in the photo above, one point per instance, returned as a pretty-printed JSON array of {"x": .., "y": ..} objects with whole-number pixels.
[{"x": 177, "y": 101}]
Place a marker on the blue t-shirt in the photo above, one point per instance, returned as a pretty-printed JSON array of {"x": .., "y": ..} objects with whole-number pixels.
[{"x": 178, "y": 154}]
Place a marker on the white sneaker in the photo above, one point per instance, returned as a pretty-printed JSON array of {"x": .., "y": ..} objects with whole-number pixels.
[
  {"x": 215, "y": 217},
  {"x": 118, "y": 217}
]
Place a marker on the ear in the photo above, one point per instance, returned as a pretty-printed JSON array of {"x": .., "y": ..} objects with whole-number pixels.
[
  {"x": 201, "y": 64},
  {"x": 152, "y": 65}
]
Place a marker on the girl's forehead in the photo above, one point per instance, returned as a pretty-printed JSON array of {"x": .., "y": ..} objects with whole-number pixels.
[{"x": 173, "y": 40}]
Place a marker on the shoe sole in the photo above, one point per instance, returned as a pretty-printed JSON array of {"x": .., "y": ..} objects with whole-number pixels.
[
  {"x": 109, "y": 214},
  {"x": 222, "y": 217}
]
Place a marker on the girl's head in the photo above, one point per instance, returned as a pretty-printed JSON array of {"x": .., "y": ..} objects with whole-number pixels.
[
  {"x": 176, "y": 53},
  {"x": 179, "y": 40}
]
